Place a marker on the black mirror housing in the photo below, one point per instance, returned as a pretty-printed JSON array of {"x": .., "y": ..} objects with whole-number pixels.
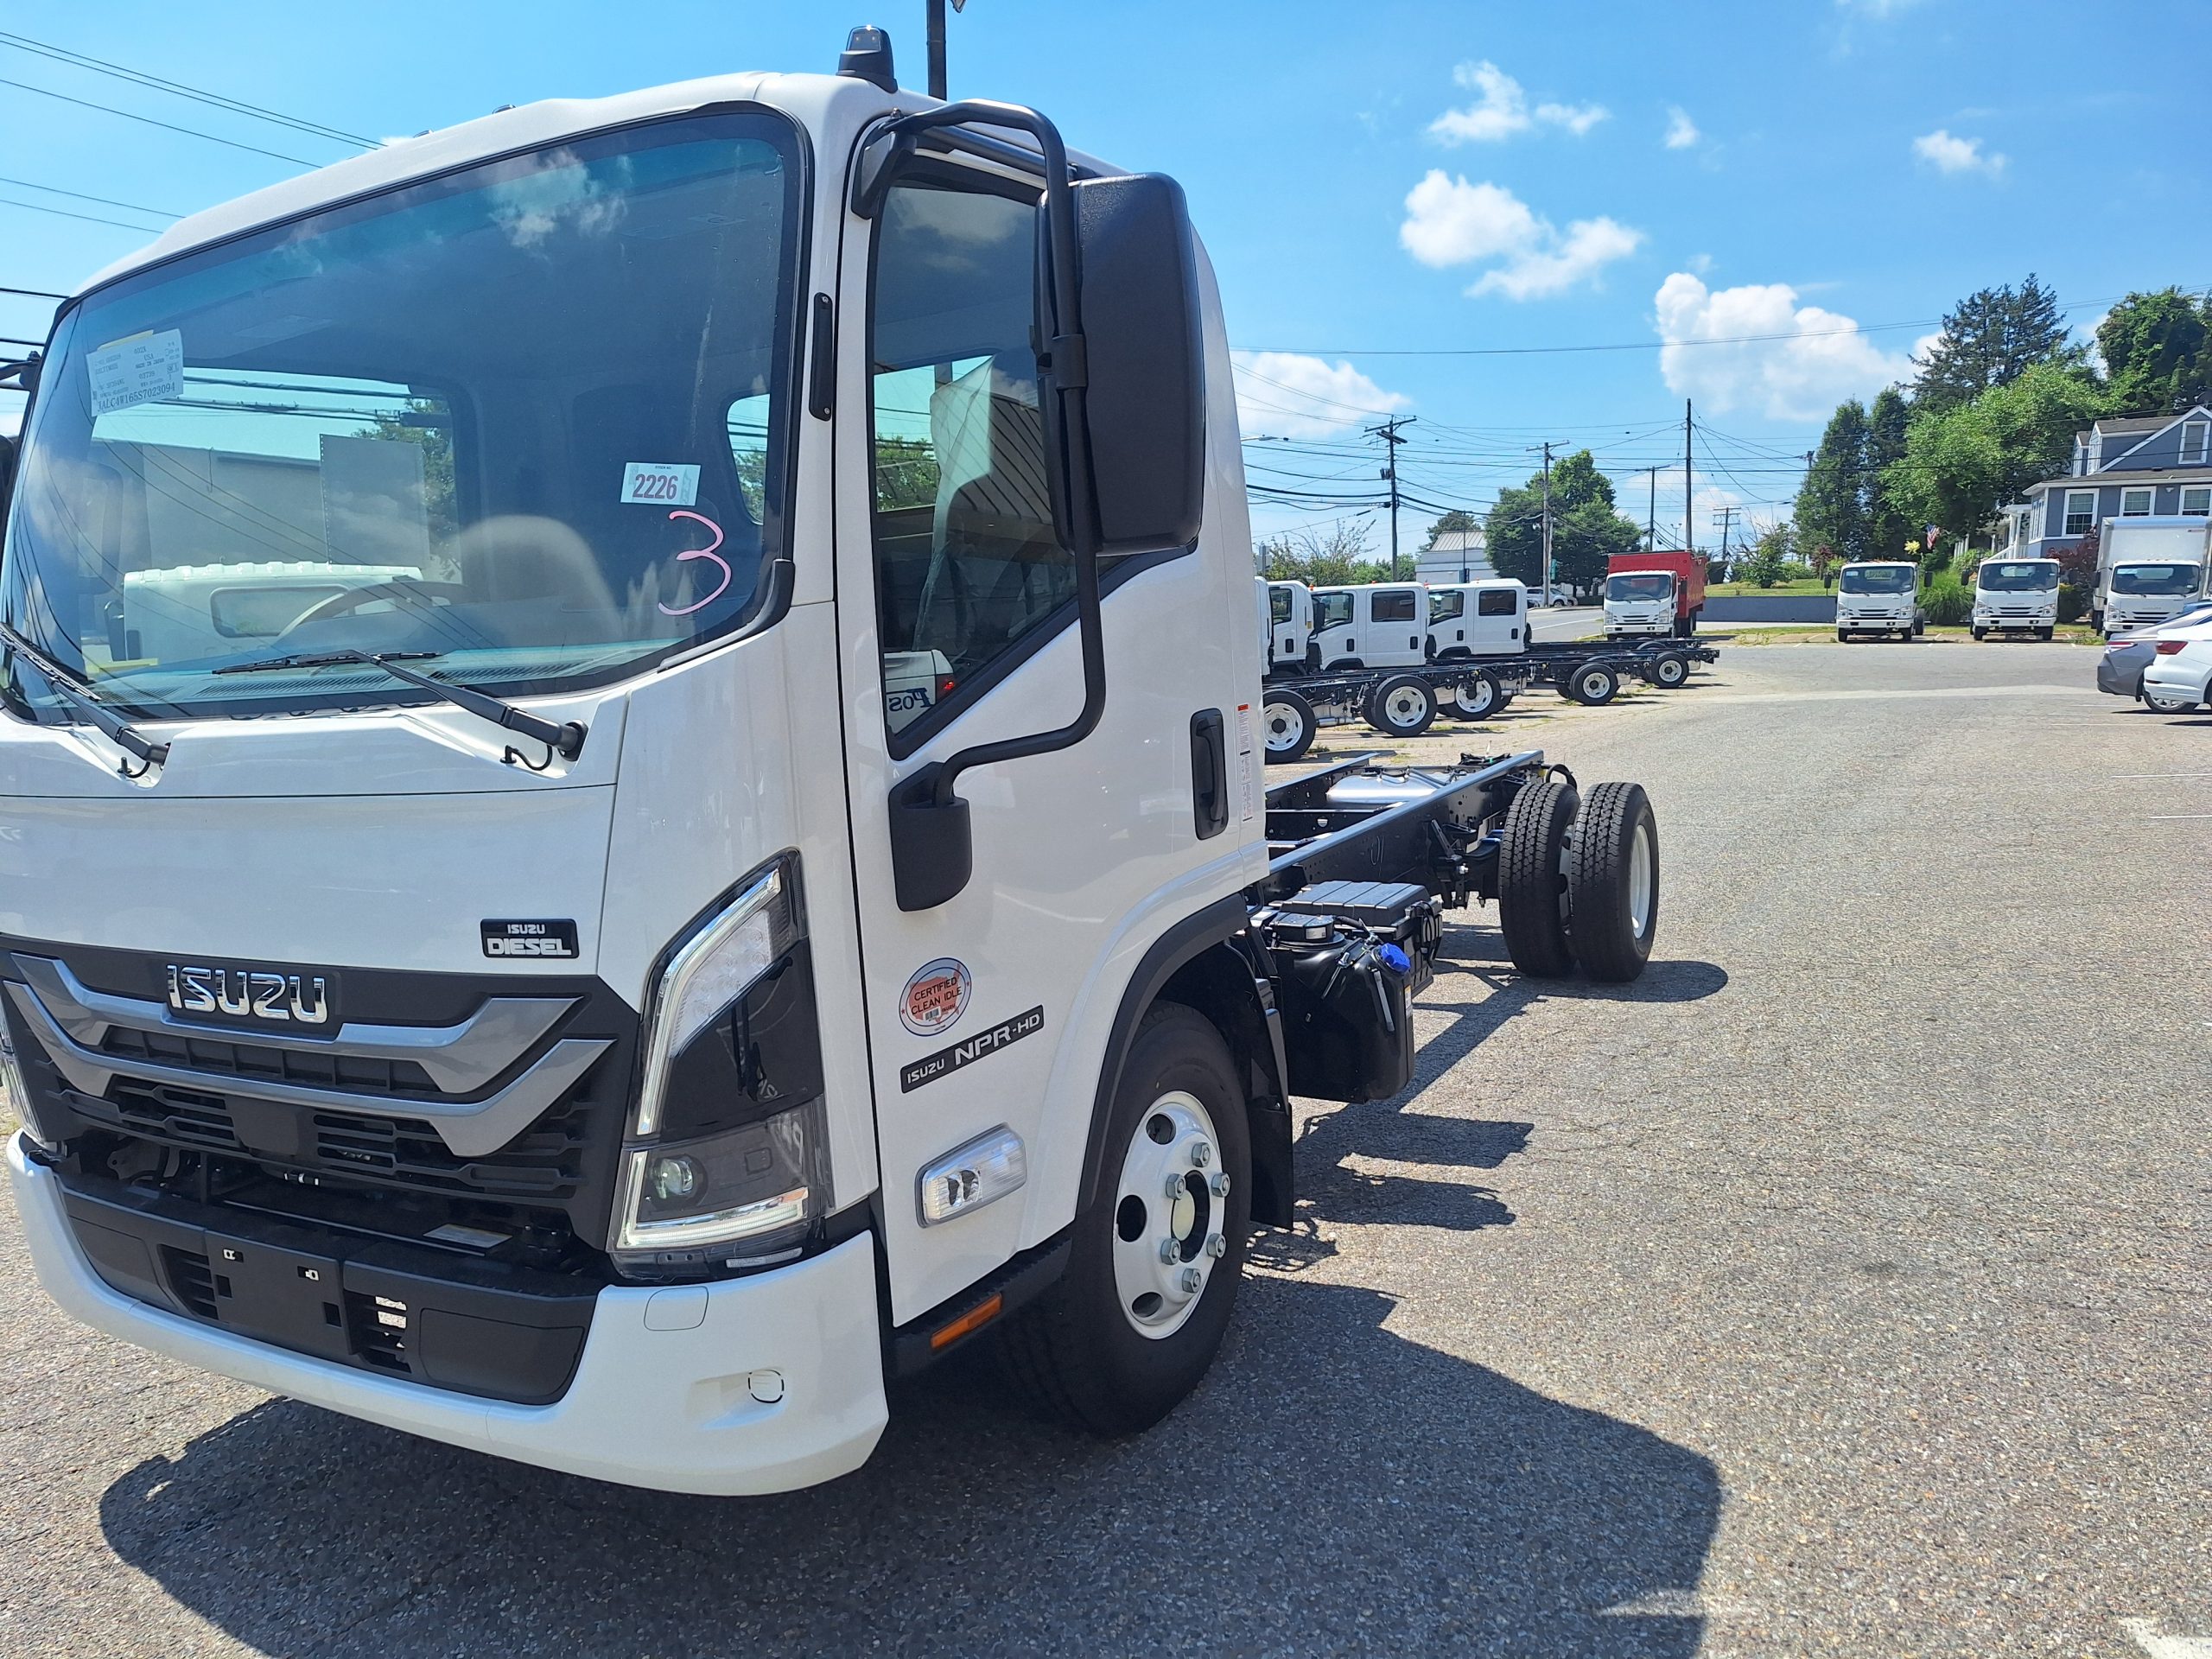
[{"x": 1141, "y": 365}]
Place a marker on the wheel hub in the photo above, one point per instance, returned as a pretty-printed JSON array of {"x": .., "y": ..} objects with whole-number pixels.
[{"x": 1169, "y": 1205}]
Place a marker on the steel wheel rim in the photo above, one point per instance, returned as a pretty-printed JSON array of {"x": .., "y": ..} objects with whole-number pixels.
[
  {"x": 1166, "y": 1248},
  {"x": 1593, "y": 686},
  {"x": 1475, "y": 698},
  {"x": 1671, "y": 670},
  {"x": 1284, "y": 728},
  {"x": 1402, "y": 706},
  {"x": 1640, "y": 880}
]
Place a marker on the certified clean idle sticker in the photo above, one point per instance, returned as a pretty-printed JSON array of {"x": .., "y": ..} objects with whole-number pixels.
[{"x": 935, "y": 997}]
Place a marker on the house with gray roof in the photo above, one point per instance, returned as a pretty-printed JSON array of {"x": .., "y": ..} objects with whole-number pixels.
[
  {"x": 1454, "y": 555},
  {"x": 2157, "y": 466}
]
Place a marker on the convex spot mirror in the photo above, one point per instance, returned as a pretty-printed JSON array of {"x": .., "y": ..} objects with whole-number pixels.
[{"x": 1142, "y": 368}]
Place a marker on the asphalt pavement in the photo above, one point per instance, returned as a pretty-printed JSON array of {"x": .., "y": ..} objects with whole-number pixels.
[{"x": 1840, "y": 1287}]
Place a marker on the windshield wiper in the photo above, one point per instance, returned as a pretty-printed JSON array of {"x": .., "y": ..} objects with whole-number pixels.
[
  {"x": 565, "y": 739},
  {"x": 80, "y": 696}
]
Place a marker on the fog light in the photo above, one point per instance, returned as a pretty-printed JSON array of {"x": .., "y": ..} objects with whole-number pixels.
[{"x": 674, "y": 1180}]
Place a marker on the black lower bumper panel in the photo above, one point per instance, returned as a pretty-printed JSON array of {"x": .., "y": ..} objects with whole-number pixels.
[{"x": 451, "y": 1323}]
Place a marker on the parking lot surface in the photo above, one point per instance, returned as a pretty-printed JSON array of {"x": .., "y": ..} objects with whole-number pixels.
[{"x": 1840, "y": 1287}]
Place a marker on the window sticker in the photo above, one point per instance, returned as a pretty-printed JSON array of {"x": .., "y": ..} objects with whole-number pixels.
[
  {"x": 138, "y": 370},
  {"x": 660, "y": 483}
]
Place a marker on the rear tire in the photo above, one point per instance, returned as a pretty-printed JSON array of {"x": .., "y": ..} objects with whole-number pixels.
[
  {"x": 1594, "y": 685},
  {"x": 1670, "y": 670},
  {"x": 1287, "y": 724},
  {"x": 1117, "y": 1342},
  {"x": 1612, "y": 883},
  {"x": 1402, "y": 706},
  {"x": 1531, "y": 887}
]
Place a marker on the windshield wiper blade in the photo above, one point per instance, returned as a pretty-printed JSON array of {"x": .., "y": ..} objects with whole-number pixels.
[
  {"x": 565, "y": 738},
  {"x": 78, "y": 695}
]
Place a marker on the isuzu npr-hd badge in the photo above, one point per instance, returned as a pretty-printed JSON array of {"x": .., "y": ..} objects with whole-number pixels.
[
  {"x": 982, "y": 1045},
  {"x": 936, "y": 996}
]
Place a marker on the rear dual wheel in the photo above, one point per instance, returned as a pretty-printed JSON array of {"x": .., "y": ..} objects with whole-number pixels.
[
  {"x": 1594, "y": 685},
  {"x": 1669, "y": 670},
  {"x": 1402, "y": 706},
  {"x": 1577, "y": 881}
]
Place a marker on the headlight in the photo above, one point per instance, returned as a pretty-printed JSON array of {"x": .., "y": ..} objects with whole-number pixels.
[{"x": 726, "y": 1164}]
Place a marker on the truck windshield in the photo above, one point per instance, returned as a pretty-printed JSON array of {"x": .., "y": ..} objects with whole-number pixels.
[
  {"x": 1654, "y": 584},
  {"x": 1876, "y": 578},
  {"x": 2155, "y": 578},
  {"x": 528, "y": 417},
  {"x": 2019, "y": 576}
]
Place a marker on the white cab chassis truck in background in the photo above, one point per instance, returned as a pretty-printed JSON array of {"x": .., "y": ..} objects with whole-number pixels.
[
  {"x": 2015, "y": 596},
  {"x": 789, "y": 886},
  {"x": 1878, "y": 596}
]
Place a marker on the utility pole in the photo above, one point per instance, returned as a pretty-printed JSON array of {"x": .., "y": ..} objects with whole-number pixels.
[
  {"x": 1651, "y": 515},
  {"x": 1725, "y": 518},
  {"x": 1388, "y": 433},
  {"x": 1689, "y": 493},
  {"x": 936, "y": 15},
  {"x": 1551, "y": 570}
]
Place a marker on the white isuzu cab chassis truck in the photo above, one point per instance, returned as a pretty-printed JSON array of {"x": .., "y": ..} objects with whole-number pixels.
[{"x": 691, "y": 835}]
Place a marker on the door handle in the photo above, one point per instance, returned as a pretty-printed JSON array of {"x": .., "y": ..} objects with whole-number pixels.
[{"x": 1209, "y": 772}]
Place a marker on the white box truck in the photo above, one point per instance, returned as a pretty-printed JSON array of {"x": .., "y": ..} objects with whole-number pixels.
[
  {"x": 2015, "y": 596},
  {"x": 586, "y": 1008},
  {"x": 1878, "y": 596},
  {"x": 2148, "y": 569}
]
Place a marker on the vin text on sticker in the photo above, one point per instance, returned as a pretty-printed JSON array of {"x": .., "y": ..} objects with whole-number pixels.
[
  {"x": 660, "y": 483},
  {"x": 946, "y": 1061},
  {"x": 138, "y": 370}
]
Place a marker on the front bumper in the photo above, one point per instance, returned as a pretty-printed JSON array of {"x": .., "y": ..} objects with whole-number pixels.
[
  {"x": 761, "y": 1384},
  {"x": 1873, "y": 624},
  {"x": 1640, "y": 624}
]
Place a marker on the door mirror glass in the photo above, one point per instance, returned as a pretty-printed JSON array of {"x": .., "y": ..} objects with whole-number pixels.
[{"x": 1145, "y": 366}]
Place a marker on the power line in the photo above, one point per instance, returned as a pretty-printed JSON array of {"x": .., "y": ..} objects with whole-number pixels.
[
  {"x": 90, "y": 218},
  {"x": 79, "y": 60},
  {"x": 167, "y": 126},
  {"x": 105, "y": 201},
  {"x": 34, "y": 293}
]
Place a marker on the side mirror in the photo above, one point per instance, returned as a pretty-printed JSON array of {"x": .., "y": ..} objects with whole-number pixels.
[{"x": 1141, "y": 365}]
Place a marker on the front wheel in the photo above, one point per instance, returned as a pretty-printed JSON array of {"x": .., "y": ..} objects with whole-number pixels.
[
  {"x": 1479, "y": 698},
  {"x": 1594, "y": 685},
  {"x": 2046, "y": 635},
  {"x": 1979, "y": 633},
  {"x": 1154, "y": 1261},
  {"x": 1287, "y": 719},
  {"x": 1402, "y": 706},
  {"x": 1841, "y": 638},
  {"x": 1670, "y": 671}
]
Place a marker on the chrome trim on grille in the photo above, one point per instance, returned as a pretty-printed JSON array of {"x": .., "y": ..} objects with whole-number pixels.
[
  {"x": 459, "y": 1059},
  {"x": 469, "y": 1128}
]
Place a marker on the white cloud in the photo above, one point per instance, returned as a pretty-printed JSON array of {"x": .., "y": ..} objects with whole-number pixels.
[
  {"x": 1950, "y": 155},
  {"x": 1285, "y": 394},
  {"x": 1701, "y": 262},
  {"x": 1790, "y": 361},
  {"x": 1451, "y": 222},
  {"x": 1501, "y": 109},
  {"x": 1681, "y": 131}
]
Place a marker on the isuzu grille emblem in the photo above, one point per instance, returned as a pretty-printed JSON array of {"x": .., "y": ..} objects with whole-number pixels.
[{"x": 250, "y": 993}]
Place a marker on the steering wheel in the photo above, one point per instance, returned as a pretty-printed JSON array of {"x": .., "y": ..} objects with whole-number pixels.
[{"x": 400, "y": 590}]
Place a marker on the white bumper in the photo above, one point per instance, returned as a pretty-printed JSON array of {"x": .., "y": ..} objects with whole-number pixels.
[
  {"x": 2177, "y": 677},
  {"x": 675, "y": 1410},
  {"x": 1873, "y": 624},
  {"x": 1662, "y": 623}
]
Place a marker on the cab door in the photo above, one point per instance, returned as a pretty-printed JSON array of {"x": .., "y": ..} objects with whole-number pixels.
[{"x": 957, "y": 626}]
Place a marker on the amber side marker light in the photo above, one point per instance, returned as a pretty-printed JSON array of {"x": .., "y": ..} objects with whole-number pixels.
[{"x": 973, "y": 1319}]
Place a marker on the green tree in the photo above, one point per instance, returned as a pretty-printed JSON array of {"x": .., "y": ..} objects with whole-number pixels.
[
  {"x": 1331, "y": 557},
  {"x": 1888, "y": 528},
  {"x": 1586, "y": 529},
  {"x": 2154, "y": 347},
  {"x": 1832, "y": 507},
  {"x": 1458, "y": 518},
  {"x": 1963, "y": 463},
  {"x": 1990, "y": 338},
  {"x": 1770, "y": 556}
]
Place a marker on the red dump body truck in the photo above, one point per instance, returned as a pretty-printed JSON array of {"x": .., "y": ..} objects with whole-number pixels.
[{"x": 1654, "y": 592}]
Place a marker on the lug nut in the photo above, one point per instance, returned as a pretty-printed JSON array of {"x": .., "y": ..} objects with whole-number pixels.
[
  {"x": 1217, "y": 1246},
  {"x": 1219, "y": 1185},
  {"x": 1175, "y": 1187},
  {"x": 1193, "y": 1281},
  {"x": 1201, "y": 1154},
  {"x": 1170, "y": 1251}
]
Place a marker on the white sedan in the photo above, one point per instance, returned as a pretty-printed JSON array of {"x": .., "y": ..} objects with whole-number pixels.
[{"x": 2179, "y": 676}]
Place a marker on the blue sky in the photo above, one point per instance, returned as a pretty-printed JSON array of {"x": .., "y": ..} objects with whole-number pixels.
[{"x": 1369, "y": 179}]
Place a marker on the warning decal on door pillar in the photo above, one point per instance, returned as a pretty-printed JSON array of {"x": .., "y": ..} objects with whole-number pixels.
[{"x": 1247, "y": 781}]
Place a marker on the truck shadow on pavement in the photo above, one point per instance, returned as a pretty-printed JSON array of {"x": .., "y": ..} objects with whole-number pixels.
[{"x": 1333, "y": 1487}]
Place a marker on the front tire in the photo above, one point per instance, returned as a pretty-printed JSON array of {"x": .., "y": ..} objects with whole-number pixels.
[
  {"x": 1979, "y": 633},
  {"x": 1670, "y": 670},
  {"x": 1612, "y": 883},
  {"x": 1402, "y": 706},
  {"x": 2046, "y": 635},
  {"x": 1531, "y": 887},
  {"x": 1152, "y": 1279},
  {"x": 1287, "y": 722},
  {"x": 1594, "y": 685},
  {"x": 1479, "y": 698}
]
